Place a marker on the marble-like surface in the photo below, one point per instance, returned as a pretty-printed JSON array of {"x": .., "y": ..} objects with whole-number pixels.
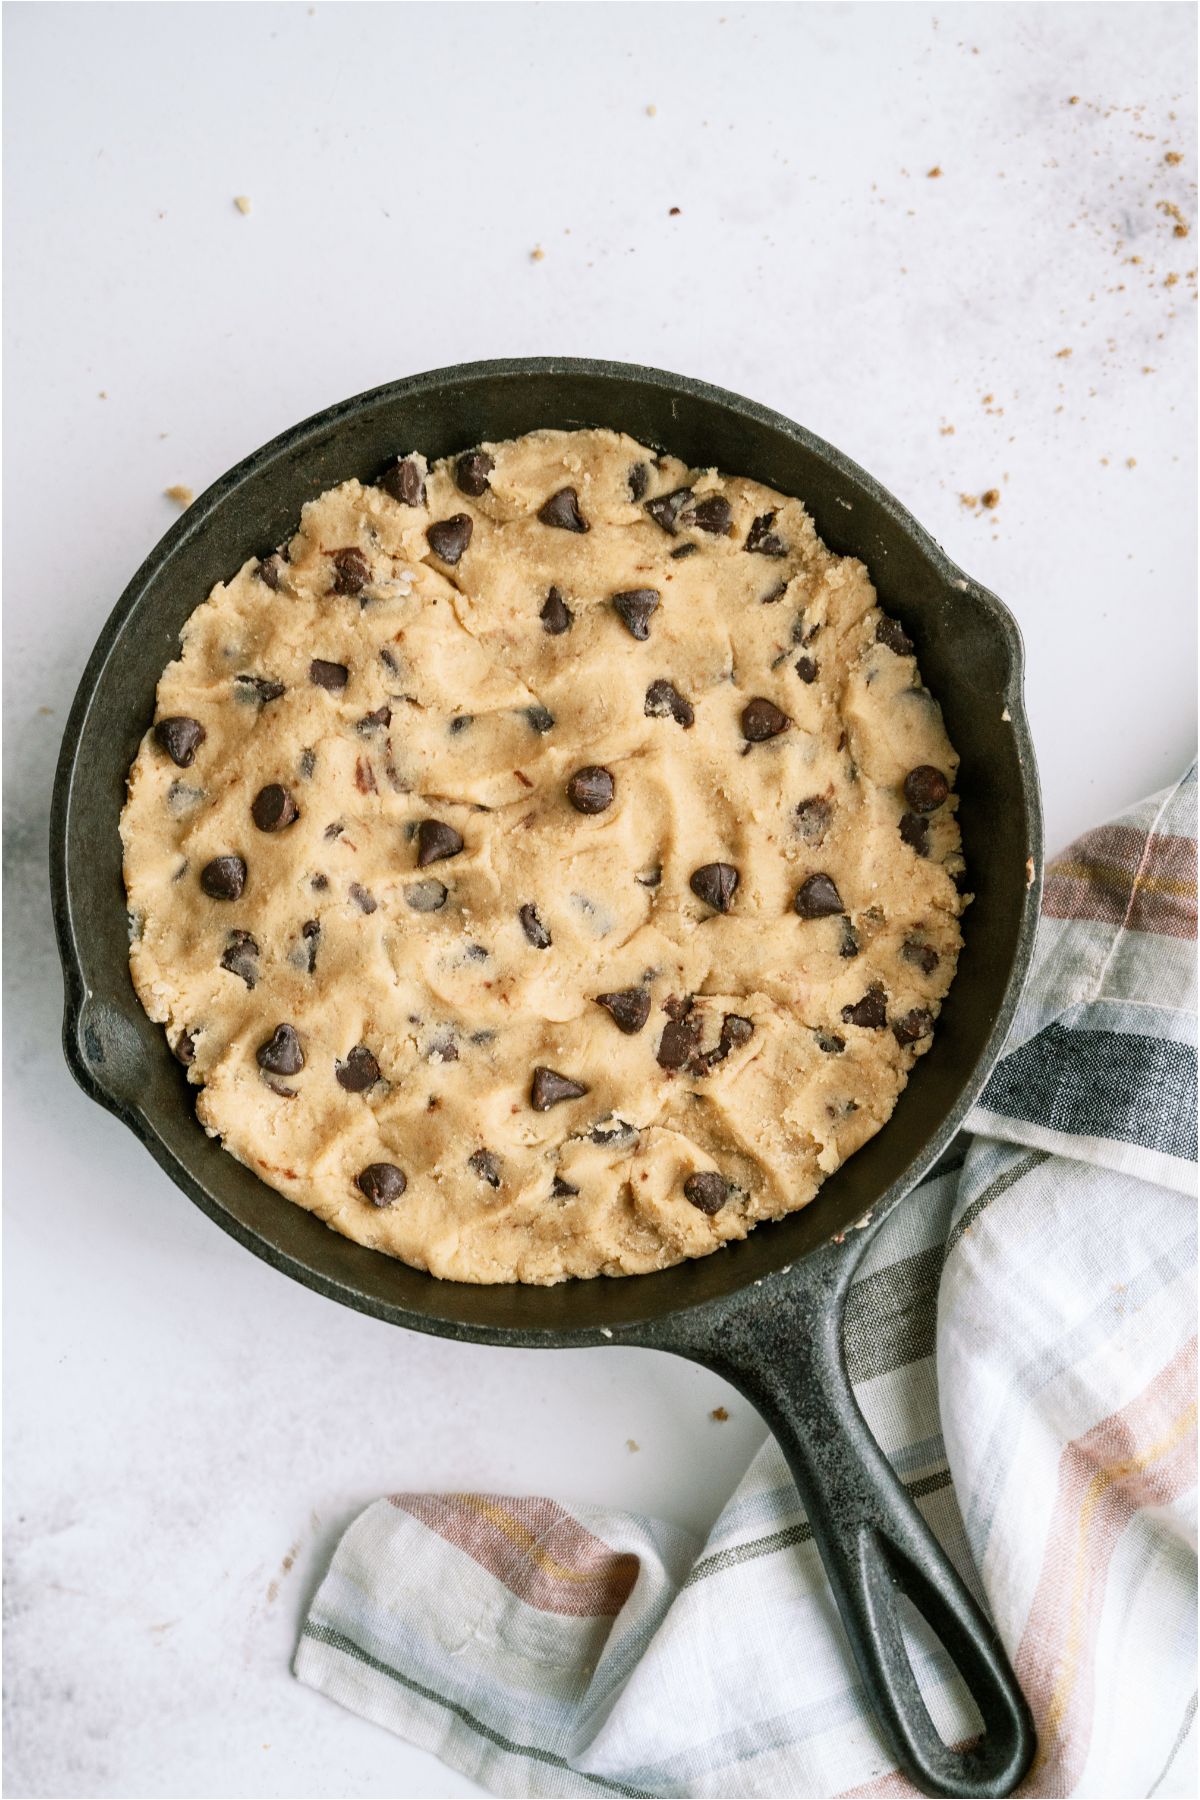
[{"x": 188, "y": 1432}]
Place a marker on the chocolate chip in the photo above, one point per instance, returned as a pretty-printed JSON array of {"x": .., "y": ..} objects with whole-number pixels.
[
  {"x": 224, "y": 878},
  {"x": 735, "y": 1031},
  {"x": 426, "y": 896},
  {"x": 924, "y": 956},
  {"x": 328, "y": 675},
  {"x": 926, "y": 788},
  {"x": 762, "y": 719},
  {"x": 830, "y": 1042},
  {"x": 636, "y": 608},
  {"x": 591, "y": 790},
  {"x": 818, "y": 898},
  {"x": 435, "y": 842},
  {"x": 240, "y": 957},
  {"x": 556, "y": 615},
  {"x": 381, "y": 1183},
  {"x": 762, "y": 540},
  {"x": 807, "y": 670},
  {"x": 180, "y": 737},
  {"x": 812, "y": 820},
  {"x": 560, "y": 1188},
  {"x": 310, "y": 931},
  {"x": 359, "y": 1072},
  {"x": 352, "y": 571},
  {"x": 281, "y": 1054},
  {"x": 319, "y": 883},
  {"x": 776, "y": 594},
  {"x": 639, "y": 476},
  {"x": 870, "y": 1012},
  {"x": 334, "y": 831},
  {"x": 307, "y": 764},
  {"x": 649, "y": 878},
  {"x": 486, "y": 1164},
  {"x": 184, "y": 1048},
  {"x": 666, "y": 702},
  {"x": 850, "y": 945},
  {"x": 678, "y": 1006},
  {"x": 374, "y": 721},
  {"x": 257, "y": 687},
  {"x": 270, "y": 571},
  {"x": 913, "y": 1026},
  {"x": 891, "y": 633},
  {"x": 364, "y": 900},
  {"x": 533, "y": 928},
  {"x": 273, "y": 808},
  {"x": 915, "y": 832},
  {"x": 549, "y": 1088},
  {"x": 471, "y": 472},
  {"x": 685, "y": 550},
  {"x": 613, "y": 1131},
  {"x": 677, "y": 1044},
  {"x": 707, "y": 1190},
  {"x": 404, "y": 482},
  {"x": 666, "y": 509},
  {"x": 448, "y": 538},
  {"x": 629, "y": 1007},
  {"x": 539, "y": 719},
  {"x": 462, "y": 723},
  {"x": 562, "y": 511},
  {"x": 715, "y": 883},
  {"x": 712, "y": 514}
]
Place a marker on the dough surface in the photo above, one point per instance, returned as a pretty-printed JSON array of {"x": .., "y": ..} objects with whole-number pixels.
[{"x": 375, "y": 922}]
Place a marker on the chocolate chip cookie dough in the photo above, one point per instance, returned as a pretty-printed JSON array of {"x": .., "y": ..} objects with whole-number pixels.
[{"x": 545, "y": 864}]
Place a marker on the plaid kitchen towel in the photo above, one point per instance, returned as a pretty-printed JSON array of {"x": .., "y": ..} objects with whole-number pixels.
[{"x": 1021, "y": 1341}]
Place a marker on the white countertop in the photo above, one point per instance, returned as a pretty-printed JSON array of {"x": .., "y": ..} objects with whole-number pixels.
[{"x": 187, "y": 1431}]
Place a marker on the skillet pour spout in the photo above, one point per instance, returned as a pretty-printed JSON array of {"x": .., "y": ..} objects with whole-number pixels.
[{"x": 765, "y": 1313}]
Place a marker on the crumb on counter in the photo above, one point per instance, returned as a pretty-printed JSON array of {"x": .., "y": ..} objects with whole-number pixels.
[
  {"x": 990, "y": 498},
  {"x": 674, "y": 212},
  {"x": 537, "y": 254},
  {"x": 720, "y": 1414},
  {"x": 934, "y": 173},
  {"x": 631, "y": 1445},
  {"x": 651, "y": 111},
  {"x": 1173, "y": 157},
  {"x": 242, "y": 202},
  {"x": 1066, "y": 351},
  {"x": 180, "y": 494},
  {"x": 1181, "y": 227}
]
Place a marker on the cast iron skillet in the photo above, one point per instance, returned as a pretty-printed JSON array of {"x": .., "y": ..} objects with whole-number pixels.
[{"x": 766, "y": 1314}]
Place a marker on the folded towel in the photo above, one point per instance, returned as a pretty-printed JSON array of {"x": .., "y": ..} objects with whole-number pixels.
[{"x": 1021, "y": 1339}]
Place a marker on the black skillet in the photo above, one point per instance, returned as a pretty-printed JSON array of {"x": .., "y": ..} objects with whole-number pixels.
[{"x": 766, "y": 1314}]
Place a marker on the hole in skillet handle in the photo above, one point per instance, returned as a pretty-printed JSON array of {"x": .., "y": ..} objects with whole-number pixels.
[{"x": 780, "y": 1343}]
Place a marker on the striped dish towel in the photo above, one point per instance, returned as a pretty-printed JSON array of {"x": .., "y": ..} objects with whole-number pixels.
[{"x": 1021, "y": 1341}]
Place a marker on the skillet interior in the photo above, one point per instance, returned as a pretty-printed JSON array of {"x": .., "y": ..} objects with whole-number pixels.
[{"x": 970, "y": 654}]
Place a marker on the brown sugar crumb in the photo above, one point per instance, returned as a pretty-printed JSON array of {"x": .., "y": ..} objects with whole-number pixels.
[
  {"x": 969, "y": 499},
  {"x": 720, "y": 1414},
  {"x": 1182, "y": 228},
  {"x": 181, "y": 495},
  {"x": 1074, "y": 100},
  {"x": 1171, "y": 279},
  {"x": 945, "y": 430},
  {"x": 987, "y": 399},
  {"x": 1131, "y": 462},
  {"x": 990, "y": 499},
  {"x": 1065, "y": 352},
  {"x": 933, "y": 174},
  {"x": 1173, "y": 157},
  {"x": 537, "y": 254},
  {"x": 675, "y": 212}
]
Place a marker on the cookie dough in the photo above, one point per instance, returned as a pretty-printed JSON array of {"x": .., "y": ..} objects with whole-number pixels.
[{"x": 546, "y": 863}]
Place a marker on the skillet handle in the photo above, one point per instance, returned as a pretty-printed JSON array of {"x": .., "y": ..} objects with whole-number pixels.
[{"x": 780, "y": 1344}]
